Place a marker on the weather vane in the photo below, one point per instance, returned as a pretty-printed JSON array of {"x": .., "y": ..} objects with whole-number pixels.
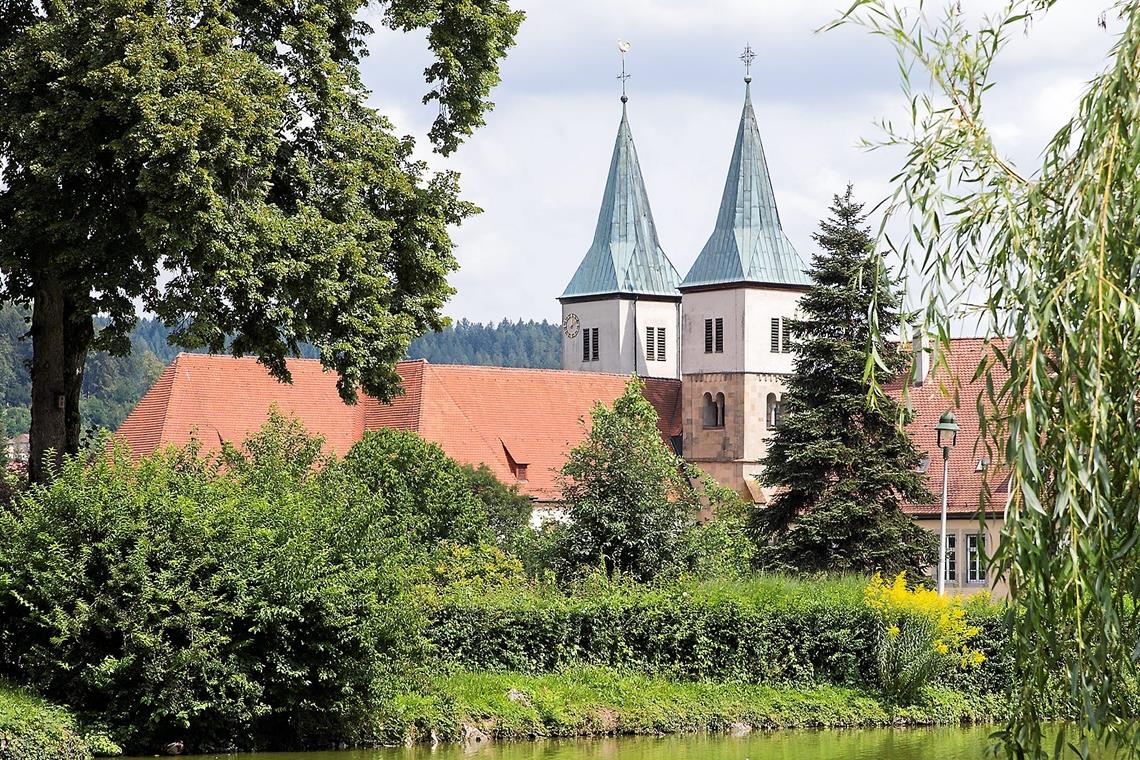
[
  {"x": 748, "y": 57},
  {"x": 623, "y": 48}
]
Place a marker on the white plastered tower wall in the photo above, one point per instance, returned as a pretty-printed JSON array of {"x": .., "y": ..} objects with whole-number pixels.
[{"x": 621, "y": 323}]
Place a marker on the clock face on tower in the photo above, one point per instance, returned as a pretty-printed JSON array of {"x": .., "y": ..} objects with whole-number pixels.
[{"x": 570, "y": 325}]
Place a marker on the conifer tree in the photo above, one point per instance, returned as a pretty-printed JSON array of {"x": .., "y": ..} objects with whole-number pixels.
[{"x": 839, "y": 463}]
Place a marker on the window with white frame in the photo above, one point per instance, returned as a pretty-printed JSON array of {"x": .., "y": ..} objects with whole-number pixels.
[
  {"x": 951, "y": 573},
  {"x": 975, "y": 558}
]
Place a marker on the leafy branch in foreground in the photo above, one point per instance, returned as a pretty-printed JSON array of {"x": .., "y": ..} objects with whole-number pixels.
[{"x": 1052, "y": 253}]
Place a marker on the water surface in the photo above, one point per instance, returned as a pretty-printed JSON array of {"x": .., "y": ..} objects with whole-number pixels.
[{"x": 943, "y": 743}]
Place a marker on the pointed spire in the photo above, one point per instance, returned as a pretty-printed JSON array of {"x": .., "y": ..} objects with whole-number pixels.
[
  {"x": 748, "y": 243},
  {"x": 626, "y": 256}
]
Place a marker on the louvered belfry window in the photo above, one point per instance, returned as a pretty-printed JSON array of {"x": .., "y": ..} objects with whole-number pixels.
[
  {"x": 708, "y": 336},
  {"x": 649, "y": 344},
  {"x": 586, "y": 345},
  {"x": 775, "y": 335},
  {"x": 594, "y": 345},
  {"x": 787, "y": 340},
  {"x": 719, "y": 335},
  {"x": 660, "y": 344}
]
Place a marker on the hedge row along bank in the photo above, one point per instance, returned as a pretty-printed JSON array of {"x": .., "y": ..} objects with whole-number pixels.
[
  {"x": 32, "y": 729},
  {"x": 763, "y": 630}
]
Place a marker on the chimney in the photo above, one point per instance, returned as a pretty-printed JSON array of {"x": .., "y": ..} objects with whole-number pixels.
[{"x": 919, "y": 360}]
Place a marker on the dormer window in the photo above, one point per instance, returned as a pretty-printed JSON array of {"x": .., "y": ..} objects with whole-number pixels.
[
  {"x": 983, "y": 464},
  {"x": 520, "y": 473}
]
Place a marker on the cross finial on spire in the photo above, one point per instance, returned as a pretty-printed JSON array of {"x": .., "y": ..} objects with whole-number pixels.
[
  {"x": 623, "y": 48},
  {"x": 748, "y": 57}
]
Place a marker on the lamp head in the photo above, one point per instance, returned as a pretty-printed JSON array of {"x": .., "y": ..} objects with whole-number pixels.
[{"x": 947, "y": 428}]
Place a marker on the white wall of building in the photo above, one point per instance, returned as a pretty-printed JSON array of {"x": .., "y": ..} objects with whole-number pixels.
[
  {"x": 621, "y": 325},
  {"x": 747, "y": 315}
]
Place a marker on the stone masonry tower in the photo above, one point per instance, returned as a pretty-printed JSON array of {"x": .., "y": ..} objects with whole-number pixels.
[{"x": 741, "y": 290}]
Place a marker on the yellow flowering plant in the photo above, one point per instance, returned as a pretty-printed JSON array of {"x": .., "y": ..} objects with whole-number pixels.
[{"x": 923, "y": 635}]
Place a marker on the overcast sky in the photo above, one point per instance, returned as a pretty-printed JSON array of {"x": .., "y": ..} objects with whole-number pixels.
[{"x": 538, "y": 167}]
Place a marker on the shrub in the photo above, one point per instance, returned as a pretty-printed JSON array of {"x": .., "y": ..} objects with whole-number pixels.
[
  {"x": 32, "y": 729},
  {"x": 508, "y": 511},
  {"x": 922, "y": 636},
  {"x": 425, "y": 494},
  {"x": 255, "y": 605}
]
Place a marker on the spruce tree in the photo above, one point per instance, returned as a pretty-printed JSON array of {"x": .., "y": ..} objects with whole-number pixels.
[{"x": 839, "y": 463}]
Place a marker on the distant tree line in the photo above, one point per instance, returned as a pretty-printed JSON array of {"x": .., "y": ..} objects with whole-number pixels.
[
  {"x": 112, "y": 385},
  {"x": 506, "y": 344}
]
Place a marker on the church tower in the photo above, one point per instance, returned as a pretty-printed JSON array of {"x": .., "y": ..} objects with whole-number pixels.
[
  {"x": 621, "y": 311},
  {"x": 736, "y": 300}
]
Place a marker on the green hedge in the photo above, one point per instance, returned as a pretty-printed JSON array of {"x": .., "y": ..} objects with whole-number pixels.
[
  {"x": 767, "y": 630},
  {"x": 763, "y": 630}
]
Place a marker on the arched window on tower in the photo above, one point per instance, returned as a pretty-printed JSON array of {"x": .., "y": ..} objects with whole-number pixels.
[
  {"x": 712, "y": 410},
  {"x": 775, "y": 412}
]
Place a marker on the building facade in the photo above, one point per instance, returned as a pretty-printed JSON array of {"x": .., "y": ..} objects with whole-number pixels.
[{"x": 722, "y": 329}]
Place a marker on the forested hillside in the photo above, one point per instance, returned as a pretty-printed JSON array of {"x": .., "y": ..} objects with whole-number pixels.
[
  {"x": 113, "y": 385},
  {"x": 507, "y": 344}
]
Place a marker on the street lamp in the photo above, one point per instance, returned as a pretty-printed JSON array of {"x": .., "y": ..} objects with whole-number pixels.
[{"x": 947, "y": 429}]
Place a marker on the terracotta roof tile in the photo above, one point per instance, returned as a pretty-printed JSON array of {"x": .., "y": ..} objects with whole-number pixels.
[
  {"x": 956, "y": 391},
  {"x": 498, "y": 416}
]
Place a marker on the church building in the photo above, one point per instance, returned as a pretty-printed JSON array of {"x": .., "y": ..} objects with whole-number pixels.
[
  {"x": 713, "y": 347},
  {"x": 722, "y": 330}
]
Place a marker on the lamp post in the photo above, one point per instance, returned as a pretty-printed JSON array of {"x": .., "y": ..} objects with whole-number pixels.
[{"x": 947, "y": 429}]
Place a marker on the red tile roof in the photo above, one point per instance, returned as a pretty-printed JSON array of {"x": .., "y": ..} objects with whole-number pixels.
[
  {"x": 957, "y": 391},
  {"x": 498, "y": 416}
]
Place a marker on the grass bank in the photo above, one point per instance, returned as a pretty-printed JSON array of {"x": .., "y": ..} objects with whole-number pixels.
[
  {"x": 592, "y": 701},
  {"x": 32, "y": 729}
]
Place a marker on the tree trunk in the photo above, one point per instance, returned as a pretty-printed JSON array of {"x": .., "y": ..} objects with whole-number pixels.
[
  {"x": 79, "y": 331},
  {"x": 48, "y": 434},
  {"x": 61, "y": 336}
]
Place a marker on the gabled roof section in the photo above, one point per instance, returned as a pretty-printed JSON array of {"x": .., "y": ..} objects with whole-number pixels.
[
  {"x": 477, "y": 415},
  {"x": 626, "y": 256},
  {"x": 748, "y": 244}
]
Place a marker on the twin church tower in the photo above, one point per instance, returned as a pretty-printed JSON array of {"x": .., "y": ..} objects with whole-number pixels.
[{"x": 721, "y": 330}]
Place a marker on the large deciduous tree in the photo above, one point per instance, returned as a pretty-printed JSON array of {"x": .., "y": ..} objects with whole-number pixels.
[
  {"x": 1049, "y": 258},
  {"x": 840, "y": 464},
  {"x": 215, "y": 162}
]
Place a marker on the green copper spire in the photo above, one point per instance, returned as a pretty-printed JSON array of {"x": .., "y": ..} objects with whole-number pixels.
[
  {"x": 625, "y": 256},
  {"x": 748, "y": 243}
]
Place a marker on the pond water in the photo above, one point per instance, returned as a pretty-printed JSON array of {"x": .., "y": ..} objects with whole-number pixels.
[{"x": 945, "y": 743}]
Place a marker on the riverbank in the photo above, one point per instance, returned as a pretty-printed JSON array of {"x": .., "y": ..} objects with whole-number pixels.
[
  {"x": 596, "y": 701},
  {"x": 33, "y": 729}
]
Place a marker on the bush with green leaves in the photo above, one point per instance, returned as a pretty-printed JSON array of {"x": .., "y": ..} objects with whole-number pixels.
[
  {"x": 421, "y": 490},
  {"x": 508, "y": 511},
  {"x": 253, "y": 600}
]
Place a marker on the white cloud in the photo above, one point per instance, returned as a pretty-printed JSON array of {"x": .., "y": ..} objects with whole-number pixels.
[{"x": 538, "y": 167}]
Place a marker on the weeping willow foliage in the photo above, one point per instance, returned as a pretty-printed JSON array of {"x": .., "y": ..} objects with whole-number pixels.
[{"x": 1051, "y": 260}]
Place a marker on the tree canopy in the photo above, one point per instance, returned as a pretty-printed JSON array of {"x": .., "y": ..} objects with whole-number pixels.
[
  {"x": 839, "y": 462},
  {"x": 215, "y": 161}
]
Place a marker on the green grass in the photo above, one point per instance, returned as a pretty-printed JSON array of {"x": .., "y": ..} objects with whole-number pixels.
[
  {"x": 33, "y": 729},
  {"x": 590, "y": 701}
]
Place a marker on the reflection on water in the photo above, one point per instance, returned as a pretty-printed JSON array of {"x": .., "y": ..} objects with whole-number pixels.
[{"x": 943, "y": 743}]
